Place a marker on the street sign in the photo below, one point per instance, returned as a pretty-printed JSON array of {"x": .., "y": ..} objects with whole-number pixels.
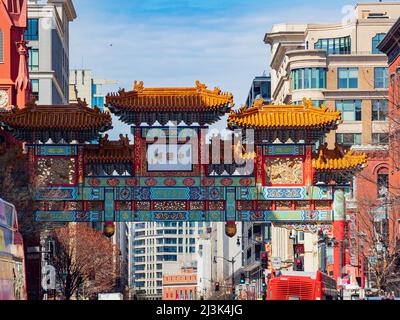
[{"x": 276, "y": 262}]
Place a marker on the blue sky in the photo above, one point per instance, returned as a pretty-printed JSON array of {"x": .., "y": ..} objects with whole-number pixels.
[{"x": 176, "y": 42}]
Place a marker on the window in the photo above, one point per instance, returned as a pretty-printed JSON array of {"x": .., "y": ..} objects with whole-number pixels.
[
  {"x": 334, "y": 45},
  {"x": 380, "y": 111},
  {"x": 381, "y": 77},
  {"x": 32, "y": 31},
  {"x": 33, "y": 59},
  {"x": 1, "y": 46},
  {"x": 382, "y": 183},
  {"x": 350, "y": 109},
  {"x": 267, "y": 232},
  {"x": 35, "y": 88},
  {"x": 375, "y": 42},
  {"x": 308, "y": 78},
  {"x": 380, "y": 138},
  {"x": 348, "y": 139},
  {"x": 347, "y": 78}
]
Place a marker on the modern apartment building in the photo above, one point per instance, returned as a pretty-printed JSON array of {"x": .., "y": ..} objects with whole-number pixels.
[
  {"x": 82, "y": 85},
  {"x": 339, "y": 65},
  {"x": 260, "y": 88},
  {"x": 48, "y": 36},
  {"x": 215, "y": 253},
  {"x": 160, "y": 249}
]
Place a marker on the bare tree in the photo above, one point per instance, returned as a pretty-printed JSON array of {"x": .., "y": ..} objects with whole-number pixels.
[
  {"x": 378, "y": 238},
  {"x": 83, "y": 259}
]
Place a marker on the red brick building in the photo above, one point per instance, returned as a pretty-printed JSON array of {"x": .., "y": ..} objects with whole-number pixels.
[
  {"x": 390, "y": 45},
  {"x": 181, "y": 286}
]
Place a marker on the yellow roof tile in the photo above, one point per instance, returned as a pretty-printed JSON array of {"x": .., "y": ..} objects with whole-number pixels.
[{"x": 283, "y": 116}]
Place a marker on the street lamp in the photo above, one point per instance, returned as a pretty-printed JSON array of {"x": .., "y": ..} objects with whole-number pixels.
[{"x": 232, "y": 261}]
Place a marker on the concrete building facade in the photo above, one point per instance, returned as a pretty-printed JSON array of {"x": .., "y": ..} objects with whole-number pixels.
[
  {"x": 82, "y": 85},
  {"x": 48, "y": 36},
  {"x": 182, "y": 286}
]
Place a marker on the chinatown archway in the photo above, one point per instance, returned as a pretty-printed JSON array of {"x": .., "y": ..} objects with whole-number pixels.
[{"x": 276, "y": 169}]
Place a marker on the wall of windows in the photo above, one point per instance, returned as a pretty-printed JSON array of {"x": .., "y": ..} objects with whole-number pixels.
[
  {"x": 347, "y": 78},
  {"x": 348, "y": 139},
  {"x": 32, "y": 30},
  {"x": 381, "y": 77},
  {"x": 350, "y": 109},
  {"x": 335, "y": 45},
  {"x": 375, "y": 41},
  {"x": 308, "y": 78},
  {"x": 380, "y": 111},
  {"x": 33, "y": 62}
]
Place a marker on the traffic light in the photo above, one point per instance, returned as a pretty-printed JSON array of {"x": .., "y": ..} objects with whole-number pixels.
[
  {"x": 264, "y": 260},
  {"x": 298, "y": 265},
  {"x": 242, "y": 278},
  {"x": 217, "y": 286}
]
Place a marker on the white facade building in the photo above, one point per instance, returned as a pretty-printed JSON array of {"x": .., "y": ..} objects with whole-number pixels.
[{"x": 48, "y": 36}]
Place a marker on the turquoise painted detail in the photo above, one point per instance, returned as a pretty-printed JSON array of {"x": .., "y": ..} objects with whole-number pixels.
[
  {"x": 56, "y": 150},
  {"x": 282, "y": 150},
  {"x": 109, "y": 204},
  {"x": 338, "y": 205},
  {"x": 230, "y": 204},
  {"x": 94, "y": 193},
  {"x": 301, "y": 216},
  {"x": 169, "y": 193}
]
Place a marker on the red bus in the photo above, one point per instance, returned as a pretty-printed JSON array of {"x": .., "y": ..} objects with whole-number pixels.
[
  {"x": 12, "y": 263},
  {"x": 298, "y": 285}
]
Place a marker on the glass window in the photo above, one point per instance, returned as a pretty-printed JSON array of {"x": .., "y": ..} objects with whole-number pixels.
[
  {"x": 33, "y": 62},
  {"x": 375, "y": 42},
  {"x": 267, "y": 232},
  {"x": 380, "y": 138},
  {"x": 350, "y": 109},
  {"x": 308, "y": 78},
  {"x": 382, "y": 183},
  {"x": 300, "y": 79},
  {"x": 334, "y": 45},
  {"x": 32, "y": 30},
  {"x": 381, "y": 77},
  {"x": 347, "y": 78},
  {"x": 380, "y": 111},
  {"x": 35, "y": 88},
  {"x": 348, "y": 139}
]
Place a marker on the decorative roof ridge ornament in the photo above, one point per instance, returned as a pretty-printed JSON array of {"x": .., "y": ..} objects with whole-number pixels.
[
  {"x": 32, "y": 103},
  {"x": 82, "y": 103},
  {"x": 308, "y": 104},
  {"x": 258, "y": 103},
  {"x": 138, "y": 86},
  {"x": 200, "y": 87}
]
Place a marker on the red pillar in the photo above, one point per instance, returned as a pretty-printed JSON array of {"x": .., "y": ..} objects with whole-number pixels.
[{"x": 339, "y": 220}]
